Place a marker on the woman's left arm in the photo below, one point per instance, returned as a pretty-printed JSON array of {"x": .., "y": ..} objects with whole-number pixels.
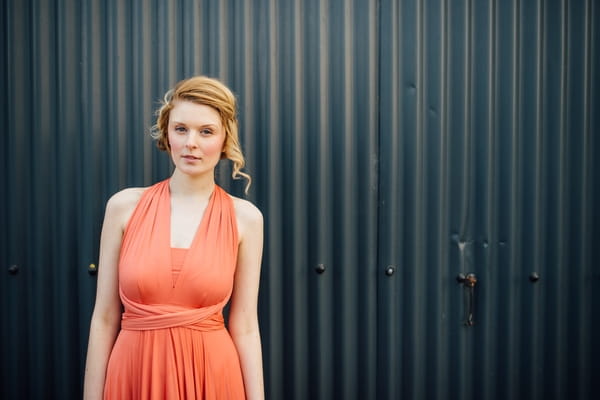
[{"x": 243, "y": 314}]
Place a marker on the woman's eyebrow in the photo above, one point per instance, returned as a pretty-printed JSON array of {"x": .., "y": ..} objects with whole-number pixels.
[{"x": 210, "y": 124}]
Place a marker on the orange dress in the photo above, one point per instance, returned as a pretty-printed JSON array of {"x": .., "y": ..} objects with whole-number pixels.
[{"x": 173, "y": 343}]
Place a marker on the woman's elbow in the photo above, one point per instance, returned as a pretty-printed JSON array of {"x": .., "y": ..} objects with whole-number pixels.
[
  {"x": 106, "y": 318},
  {"x": 243, "y": 325}
]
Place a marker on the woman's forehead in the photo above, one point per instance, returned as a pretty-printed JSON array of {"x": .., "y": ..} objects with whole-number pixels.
[{"x": 190, "y": 112}]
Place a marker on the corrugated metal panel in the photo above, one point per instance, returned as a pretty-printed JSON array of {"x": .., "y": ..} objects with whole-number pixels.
[
  {"x": 432, "y": 137},
  {"x": 487, "y": 166},
  {"x": 320, "y": 189}
]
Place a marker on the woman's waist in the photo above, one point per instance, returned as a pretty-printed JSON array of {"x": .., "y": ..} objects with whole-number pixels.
[{"x": 201, "y": 319}]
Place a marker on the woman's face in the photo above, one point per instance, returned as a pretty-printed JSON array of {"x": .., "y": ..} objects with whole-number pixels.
[{"x": 196, "y": 137}]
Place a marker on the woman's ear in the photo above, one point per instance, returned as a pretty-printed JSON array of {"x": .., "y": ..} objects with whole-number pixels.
[{"x": 223, "y": 151}]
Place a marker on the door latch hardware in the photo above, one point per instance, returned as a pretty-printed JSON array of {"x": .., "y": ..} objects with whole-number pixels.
[{"x": 469, "y": 281}]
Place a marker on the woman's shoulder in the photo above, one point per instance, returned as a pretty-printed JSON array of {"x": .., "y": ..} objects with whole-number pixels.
[
  {"x": 126, "y": 197},
  {"x": 248, "y": 215},
  {"x": 121, "y": 204}
]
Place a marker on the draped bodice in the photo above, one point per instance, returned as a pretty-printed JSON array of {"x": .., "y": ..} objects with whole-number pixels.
[{"x": 152, "y": 296}]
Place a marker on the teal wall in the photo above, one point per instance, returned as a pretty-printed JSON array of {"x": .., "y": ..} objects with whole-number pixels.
[{"x": 393, "y": 145}]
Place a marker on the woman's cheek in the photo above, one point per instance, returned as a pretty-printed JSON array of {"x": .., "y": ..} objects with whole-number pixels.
[{"x": 215, "y": 147}]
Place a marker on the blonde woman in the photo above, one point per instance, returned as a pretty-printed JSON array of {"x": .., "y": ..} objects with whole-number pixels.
[{"x": 171, "y": 257}]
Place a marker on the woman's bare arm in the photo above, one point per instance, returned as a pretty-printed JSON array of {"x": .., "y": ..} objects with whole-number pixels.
[
  {"x": 243, "y": 318},
  {"x": 106, "y": 318}
]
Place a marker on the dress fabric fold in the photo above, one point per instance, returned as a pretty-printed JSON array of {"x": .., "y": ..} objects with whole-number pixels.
[{"x": 173, "y": 343}]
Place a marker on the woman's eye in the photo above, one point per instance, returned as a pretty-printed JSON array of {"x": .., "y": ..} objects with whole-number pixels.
[
  {"x": 206, "y": 132},
  {"x": 180, "y": 129}
]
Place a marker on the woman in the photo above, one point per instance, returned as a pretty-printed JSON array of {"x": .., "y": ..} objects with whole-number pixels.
[{"x": 173, "y": 255}]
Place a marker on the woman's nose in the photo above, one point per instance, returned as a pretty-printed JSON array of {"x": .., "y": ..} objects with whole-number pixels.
[{"x": 191, "y": 140}]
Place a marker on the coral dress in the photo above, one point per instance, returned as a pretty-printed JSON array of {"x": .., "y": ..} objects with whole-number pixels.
[{"x": 173, "y": 343}]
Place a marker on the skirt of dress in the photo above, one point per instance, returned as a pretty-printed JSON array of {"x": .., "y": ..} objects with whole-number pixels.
[{"x": 174, "y": 363}]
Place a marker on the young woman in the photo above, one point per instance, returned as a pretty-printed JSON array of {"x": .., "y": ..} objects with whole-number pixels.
[{"x": 171, "y": 256}]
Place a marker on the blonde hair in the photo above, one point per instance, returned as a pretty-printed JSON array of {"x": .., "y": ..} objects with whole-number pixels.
[{"x": 213, "y": 93}]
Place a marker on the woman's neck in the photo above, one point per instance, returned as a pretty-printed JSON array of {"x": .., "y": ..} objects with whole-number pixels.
[{"x": 185, "y": 185}]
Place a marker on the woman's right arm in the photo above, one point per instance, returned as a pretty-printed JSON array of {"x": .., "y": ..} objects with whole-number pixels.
[{"x": 106, "y": 318}]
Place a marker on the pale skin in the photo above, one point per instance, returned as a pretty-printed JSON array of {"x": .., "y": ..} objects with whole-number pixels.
[{"x": 196, "y": 138}]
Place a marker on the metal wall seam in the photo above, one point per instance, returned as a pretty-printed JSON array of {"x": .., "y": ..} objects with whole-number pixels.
[
  {"x": 372, "y": 260},
  {"x": 561, "y": 193},
  {"x": 273, "y": 254},
  {"x": 584, "y": 250},
  {"x": 515, "y": 225},
  {"x": 37, "y": 306},
  {"x": 418, "y": 229},
  {"x": 465, "y": 232},
  {"x": 347, "y": 352},
  {"x": 324, "y": 286},
  {"x": 325, "y": 385},
  {"x": 442, "y": 385},
  {"x": 65, "y": 238},
  {"x": 247, "y": 74},
  {"x": 298, "y": 286},
  {"x": 6, "y": 239},
  {"x": 538, "y": 259},
  {"x": 389, "y": 211},
  {"x": 491, "y": 220}
]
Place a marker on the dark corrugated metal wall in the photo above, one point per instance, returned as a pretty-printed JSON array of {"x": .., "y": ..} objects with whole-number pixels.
[
  {"x": 393, "y": 146},
  {"x": 492, "y": 174}
]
